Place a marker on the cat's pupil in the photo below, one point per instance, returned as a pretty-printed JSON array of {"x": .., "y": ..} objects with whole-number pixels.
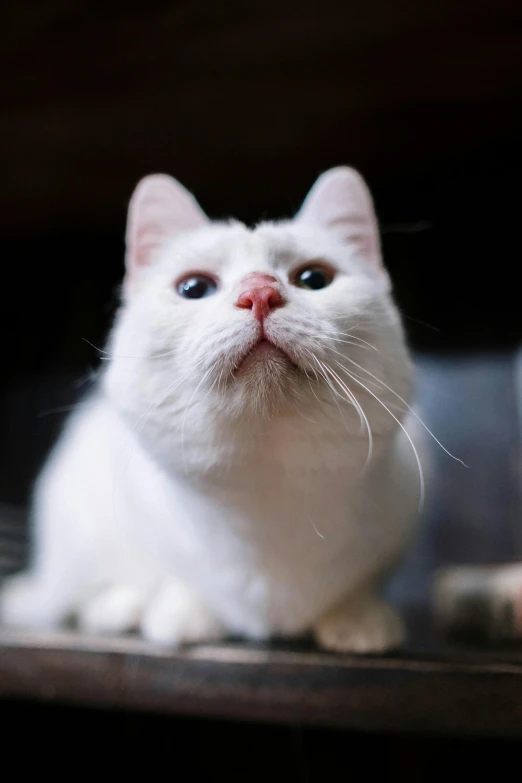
[
  {"x": 196, "y": 287},
  {"x": 313, "y": 279}
]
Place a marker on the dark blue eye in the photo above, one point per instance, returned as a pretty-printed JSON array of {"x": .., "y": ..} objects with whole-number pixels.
[
  {"x": 313, "y": 278},
  {"x": 197, "y": 286}
]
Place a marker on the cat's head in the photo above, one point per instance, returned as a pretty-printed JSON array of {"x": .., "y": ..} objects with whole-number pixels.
[{"x": 224, "y": 323}]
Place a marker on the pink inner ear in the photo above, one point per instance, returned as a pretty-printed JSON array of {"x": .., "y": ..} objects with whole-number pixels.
[
  {"x": 159, "y": 210},
  {"x": 341, "y": 203}
]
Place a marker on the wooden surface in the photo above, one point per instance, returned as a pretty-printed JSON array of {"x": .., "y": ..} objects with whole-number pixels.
[
  {"x": 473, "y": 514},
  {"x": 459, "y": 695}
]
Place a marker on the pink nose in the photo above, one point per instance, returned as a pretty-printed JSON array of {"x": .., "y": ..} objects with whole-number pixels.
[{"x": 260, "y": 295}]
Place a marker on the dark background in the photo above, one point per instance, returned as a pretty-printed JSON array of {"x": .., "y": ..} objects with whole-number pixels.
[{"x": 246, "y": 103}]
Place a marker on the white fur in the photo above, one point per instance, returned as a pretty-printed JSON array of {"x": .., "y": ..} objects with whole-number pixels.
[{"x": 195, "y": 500}]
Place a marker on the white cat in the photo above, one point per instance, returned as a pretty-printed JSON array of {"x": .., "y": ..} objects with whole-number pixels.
[{"x": 242, "y": 467}]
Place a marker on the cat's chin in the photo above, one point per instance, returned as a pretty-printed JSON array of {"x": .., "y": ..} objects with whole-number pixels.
[
  {"x": 265, "y": 381},
  {"x": 265, "y": 357}
]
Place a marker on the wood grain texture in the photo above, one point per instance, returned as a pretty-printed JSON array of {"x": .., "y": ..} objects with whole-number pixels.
[{"x": 281, "y": 686}]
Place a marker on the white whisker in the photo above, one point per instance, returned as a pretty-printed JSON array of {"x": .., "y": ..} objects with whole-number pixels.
[
  {"x": 312, "y": 388},
  {"x": 360, "y": 410},
  {"x": 333, "y": 391},
  {"x": 410, "y": 409},
  {"x": 352, "y": 399},
  {"x": 403, "y": 428},
  {"x": 315, "y": 528},
  {"x": 359, "y": 339},
  {"x": 349, "y": 342},
  {"x": 108, "y": 355}
]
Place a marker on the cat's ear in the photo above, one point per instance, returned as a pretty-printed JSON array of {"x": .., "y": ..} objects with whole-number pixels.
[
  {"x": 340, "y": 202},
  {"x": 160, "y": 208}
]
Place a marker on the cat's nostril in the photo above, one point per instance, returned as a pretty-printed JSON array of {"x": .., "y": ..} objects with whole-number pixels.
[{"x": 261, "y": 300}]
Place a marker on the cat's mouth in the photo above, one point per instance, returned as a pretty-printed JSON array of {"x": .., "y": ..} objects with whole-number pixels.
[{"x": 264, "y": 351}]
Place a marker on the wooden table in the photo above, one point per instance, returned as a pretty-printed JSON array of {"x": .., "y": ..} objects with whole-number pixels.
[{"x": 450, "y": 692}]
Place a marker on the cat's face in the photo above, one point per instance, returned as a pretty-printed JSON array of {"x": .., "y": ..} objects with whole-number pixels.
[{"x": 222, "y": 323}]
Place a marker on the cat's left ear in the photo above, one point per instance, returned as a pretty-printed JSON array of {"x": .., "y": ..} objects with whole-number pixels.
[
  {"x": 340, "y": 202},
  {"x": 159, "y": 210}
]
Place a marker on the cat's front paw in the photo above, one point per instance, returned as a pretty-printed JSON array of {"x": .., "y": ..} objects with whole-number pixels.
[
  {"x": 16, "y": 601},
  {"x": 115, "y": 610},
  {"x": 27, "y": 603},
  {"x": 176, "y": 617},
  {"x": 362, "y": 625}
]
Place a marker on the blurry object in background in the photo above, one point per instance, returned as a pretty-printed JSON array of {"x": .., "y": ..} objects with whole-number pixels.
[{"x": 482, "y": 600}]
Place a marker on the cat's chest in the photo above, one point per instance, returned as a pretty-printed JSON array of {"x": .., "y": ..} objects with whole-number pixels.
[
  {"x": 279, "y": 527},
  {"x": 266, "y": 551},
  {"x": 292, "y": 508},
  {"x": 269, "y": 568}
]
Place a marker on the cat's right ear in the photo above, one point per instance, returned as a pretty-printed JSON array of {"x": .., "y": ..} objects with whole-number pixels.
[
  {"x": 340, "y": 202},
  {"x": 160, "y": 209}
]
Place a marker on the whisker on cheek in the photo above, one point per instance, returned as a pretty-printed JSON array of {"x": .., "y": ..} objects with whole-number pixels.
[
  {"x": 108, "y": 356},
  {"x": 405, "y": 431},
  {"x": 409, "y": 408},
  {"x": 362, "y": 416}
]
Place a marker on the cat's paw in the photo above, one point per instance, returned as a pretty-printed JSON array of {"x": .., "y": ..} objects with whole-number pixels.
[
  {"x": 15, "y": 600},
  {"x": 115, "y": 610},
  {"x": 176, "y": 617},
  {"x": 25, "y": 603},
  {"x": 362, "y": 625}
]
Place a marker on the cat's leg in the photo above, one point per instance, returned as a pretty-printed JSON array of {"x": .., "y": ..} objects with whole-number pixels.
[
  {"x": 72, "y": 575},
  {"x": 33, "y": 601},
  {"x": 116, "y": 609},
  {"x": 61, "y": 575},
  {"x": 176, "y": 616},
  {"x": 362, "y": 623},
  {"x": 38, "y": 602}
]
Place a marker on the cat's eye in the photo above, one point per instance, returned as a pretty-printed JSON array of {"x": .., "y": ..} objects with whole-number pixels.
[
  {"x": 196, "y": 286},
  {"x": 313, "y": 277}
]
